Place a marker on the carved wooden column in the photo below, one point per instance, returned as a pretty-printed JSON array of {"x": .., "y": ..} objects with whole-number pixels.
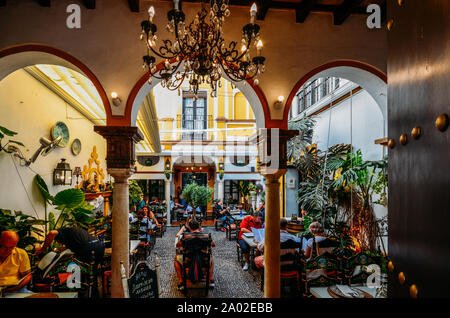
[
  {"x": 120, "y": 159},
  {"x": 272, "y": 144}
]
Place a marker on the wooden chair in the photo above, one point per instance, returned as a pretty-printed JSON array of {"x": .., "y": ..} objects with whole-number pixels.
[
  {"x": 321, "y": 271},
  {"x": 196, "y": 251},
  {"x": 360, "y": 261},
  {"x": 233, "y": 229},
  {"x": 291, "y": 266}
]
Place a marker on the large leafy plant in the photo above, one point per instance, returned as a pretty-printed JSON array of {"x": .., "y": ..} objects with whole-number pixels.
[
  {"x": 27, "y": 227},
  {"x": 337, "y": 186},
  {"x": 74, "y": 211}
]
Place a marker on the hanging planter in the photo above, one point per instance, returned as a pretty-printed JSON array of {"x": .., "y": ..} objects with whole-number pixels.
[{"x": 167, "y": 173}]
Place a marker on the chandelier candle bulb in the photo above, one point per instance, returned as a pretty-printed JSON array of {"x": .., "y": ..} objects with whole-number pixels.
[
  {"x": 259, "y": 47},
  {"x": 151, "y": 13},
  {"x": 253, "y": 11}
]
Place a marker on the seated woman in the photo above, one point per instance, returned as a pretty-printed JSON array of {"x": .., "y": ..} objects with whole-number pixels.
[
  {"x": 192, "y": 226},
  {"x": 317, "y": 230}
]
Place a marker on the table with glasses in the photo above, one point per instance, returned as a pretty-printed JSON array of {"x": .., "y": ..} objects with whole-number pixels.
[{"x": 322, "y": 292}]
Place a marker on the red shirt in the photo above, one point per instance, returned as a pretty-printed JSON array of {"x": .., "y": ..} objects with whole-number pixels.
[{"x": 248, "y": 223}]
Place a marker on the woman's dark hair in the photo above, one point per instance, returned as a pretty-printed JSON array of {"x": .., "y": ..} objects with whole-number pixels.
[{"x": 193, "y": 224}]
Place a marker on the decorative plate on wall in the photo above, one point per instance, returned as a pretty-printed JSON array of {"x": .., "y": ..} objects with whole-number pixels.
[
  {"x": 76, "y": 146},
  {"x": 60, "y": 129}
]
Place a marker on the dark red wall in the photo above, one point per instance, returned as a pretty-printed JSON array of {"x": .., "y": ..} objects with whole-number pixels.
[{"x": 419, "y": 173}]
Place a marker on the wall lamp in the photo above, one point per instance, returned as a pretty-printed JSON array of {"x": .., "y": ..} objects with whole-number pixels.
[
  {"x": 279, "y": 102},
  {"x": 115, "y": 99}
]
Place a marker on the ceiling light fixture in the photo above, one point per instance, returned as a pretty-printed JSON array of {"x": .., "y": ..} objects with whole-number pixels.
[{"x": 202, "y": 47}]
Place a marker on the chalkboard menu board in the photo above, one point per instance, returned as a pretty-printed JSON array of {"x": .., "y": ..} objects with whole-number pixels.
[{"x": 143, "y": 283}]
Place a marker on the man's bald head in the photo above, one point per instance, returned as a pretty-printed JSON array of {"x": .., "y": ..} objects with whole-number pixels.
[
  {"x": 8, "y": 240},
  {"x": 9, "y": 236}
]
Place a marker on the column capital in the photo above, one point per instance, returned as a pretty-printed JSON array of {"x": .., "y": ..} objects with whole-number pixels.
[
  {"x": 272, "y": 149},
  {"x": 120, "y": 175},
  {"x": 272, "y": 175},
  {"x": 120, "y": 141}
]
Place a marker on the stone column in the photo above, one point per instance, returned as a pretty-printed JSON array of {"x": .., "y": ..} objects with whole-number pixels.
[
  {"x": 220, "y": 189},
  {"x": 120, "y": 159},
  {"x": 167, "y": 184},
  {"x": 120, "y": 228},
  {"x": 272, "y": 164},
  {"x": 272, "y": 235}
]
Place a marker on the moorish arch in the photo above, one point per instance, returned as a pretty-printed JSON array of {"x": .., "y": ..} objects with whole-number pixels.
[
  {"x": 252, "y": 93},
  {"x": 367, "y": 76},
  {"x": 17, "y": 57}
]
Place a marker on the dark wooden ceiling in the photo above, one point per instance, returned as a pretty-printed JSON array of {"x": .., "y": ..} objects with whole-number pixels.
[{"x": 340, "y": 9}]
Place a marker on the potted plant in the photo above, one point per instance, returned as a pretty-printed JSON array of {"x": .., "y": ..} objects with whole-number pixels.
[{"x": 6, "y": 132}]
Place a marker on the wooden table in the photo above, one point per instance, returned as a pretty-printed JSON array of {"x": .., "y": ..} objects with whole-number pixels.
[
  {"x": 23, "y": 295},
  {"x": 322, "y": 292},
  {"x": 250, "y": 241}
]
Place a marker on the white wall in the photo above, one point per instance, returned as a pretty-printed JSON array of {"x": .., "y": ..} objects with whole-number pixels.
[
  {"x": 367, "y": 125},
  {"x": 30, "y": 109}
]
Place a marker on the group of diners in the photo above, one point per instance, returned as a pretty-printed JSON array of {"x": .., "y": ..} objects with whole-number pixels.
[
  {"x": 145, "y": 218},
  {"x": 15, "y": 269},
  {"x": 254, "y": 221}
]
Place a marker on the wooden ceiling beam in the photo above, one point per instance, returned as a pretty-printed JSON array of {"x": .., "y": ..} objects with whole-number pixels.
[
  {"x": 89, "y": 4},
  {"x": 342, "y": 12},
  {"x": 263, "y": 7},
  {"x": 44, "y": 3},
  {"x": 303, "y": 9},
  {"x": 134, "y": 5}
]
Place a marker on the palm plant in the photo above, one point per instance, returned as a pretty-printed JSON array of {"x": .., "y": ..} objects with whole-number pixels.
[{"x": 337, "y": 186}]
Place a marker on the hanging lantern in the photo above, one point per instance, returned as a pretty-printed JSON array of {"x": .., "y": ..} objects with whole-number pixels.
[{"x": 62, "y": 175}]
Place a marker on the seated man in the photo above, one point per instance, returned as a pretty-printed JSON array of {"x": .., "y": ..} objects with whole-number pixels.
[
  {"x": 221, "y": 214},
  {"x": 192, "y": 227},
  {"x": 247, "y": 223},
  {"x": 180, "y": 208},
  {"x": 262, "y": 210},
  {"x": 14, "y": 263},
  {"x": 284, "y": 236}
]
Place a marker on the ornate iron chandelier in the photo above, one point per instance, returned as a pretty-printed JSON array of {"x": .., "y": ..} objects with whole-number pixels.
[{"x": 202, "y": 48}]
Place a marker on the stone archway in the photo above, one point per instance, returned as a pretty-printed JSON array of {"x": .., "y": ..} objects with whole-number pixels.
[
  {"x": 20, "y": 56},
  {"x": 368, "y": 77}
]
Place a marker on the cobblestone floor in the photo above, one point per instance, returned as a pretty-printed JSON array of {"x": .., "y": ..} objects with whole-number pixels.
[{"x": 231, "y": 281}]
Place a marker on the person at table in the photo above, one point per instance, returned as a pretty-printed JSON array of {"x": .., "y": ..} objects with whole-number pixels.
[
  {"x": 15, "y": 270},
  {"x": 284, "y": 236},
  {"x": 151, "y": 216},
  {"x": 79, "y": 241},
  {"x": 145, "y": 225},
  {"x": 180, "y": 207},
  {"x": 246, "y": 227},
  {"x": 262, "y": 210},
  {"x": 192, "y": 227},
  {"x": 317, "y": 230},
  {"x": 221, "y": 214},
  {"x": 144, "y": 202}
]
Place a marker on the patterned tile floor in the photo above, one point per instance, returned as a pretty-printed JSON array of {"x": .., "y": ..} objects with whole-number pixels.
[{"x": 231, "y": 281}]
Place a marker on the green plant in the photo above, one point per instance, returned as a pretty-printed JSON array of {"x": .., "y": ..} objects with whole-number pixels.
[
  {"x": 167, "y": 173},
  {"x": 135, "y": 192},
  {"x": 337, "y": 186},
  {"x": 27, "y": 227},
  {"x": 6, "y": 132},
  {"x": 74, "y": 211},
  {"x": 196, "y": 195}
]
